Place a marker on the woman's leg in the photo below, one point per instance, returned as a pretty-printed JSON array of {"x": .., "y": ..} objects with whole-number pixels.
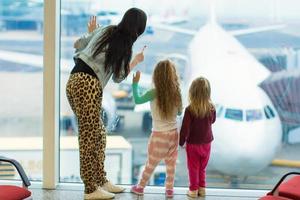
[
  {"x": 170, "y": 159},
  {"x": 101, "y": 173},
  {"x": 84, "y": 100}
]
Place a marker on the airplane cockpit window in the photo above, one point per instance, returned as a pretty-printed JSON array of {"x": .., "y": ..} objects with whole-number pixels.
[
  {"x": 235, "y": 114},
  {"x": 219, "y": 110},
  {"x": 269, "y": 112},
  {"x": 253, "y": 115}
]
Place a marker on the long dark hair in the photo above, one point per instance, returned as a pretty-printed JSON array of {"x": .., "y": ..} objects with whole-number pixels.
[{"x": 117, "y": 41}]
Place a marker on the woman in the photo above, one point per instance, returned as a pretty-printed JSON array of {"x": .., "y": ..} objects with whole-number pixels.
[{"x": 100, "y": 54}]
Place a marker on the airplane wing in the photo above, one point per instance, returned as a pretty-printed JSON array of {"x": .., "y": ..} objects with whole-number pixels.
[
  {"x": 256, "y": 29},
  {"x": 233, "y": 32},
  {"x": 32, "y": 59}
]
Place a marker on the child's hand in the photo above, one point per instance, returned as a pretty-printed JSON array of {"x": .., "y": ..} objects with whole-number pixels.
[
  {"x": 92, "y": 24},
  {"x": 136, "y": 77}
]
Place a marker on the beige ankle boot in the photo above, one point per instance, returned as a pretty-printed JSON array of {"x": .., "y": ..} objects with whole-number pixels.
[
  {"x": 109, "y": 187},
  {"x": 99, "y": 194},
  {"x": 201, "y": 192},
  {"x": 192, "y": 193}
]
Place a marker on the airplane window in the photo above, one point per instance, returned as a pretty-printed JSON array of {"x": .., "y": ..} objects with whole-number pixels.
[
  {"x": 267, "y": 113},
  {"x": 252, "y": 115},
  {"x": 219, "y": 110},
  {"x": 271, "y": 111},
  {"x": 235, "y": 114}
]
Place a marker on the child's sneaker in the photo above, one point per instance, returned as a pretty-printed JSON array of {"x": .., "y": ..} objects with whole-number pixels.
[
  {"x": 192, "y": 193},
  {"x": 201, "y": 192},
  {"x": 169, "y": 193},
  {"x": 137, "y": 190}
]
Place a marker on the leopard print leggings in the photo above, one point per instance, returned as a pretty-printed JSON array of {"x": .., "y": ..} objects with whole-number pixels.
[{"x": 85, "y": 97}]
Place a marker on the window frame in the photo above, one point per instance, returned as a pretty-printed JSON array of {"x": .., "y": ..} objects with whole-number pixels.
[{"x": 51, "y": 94}]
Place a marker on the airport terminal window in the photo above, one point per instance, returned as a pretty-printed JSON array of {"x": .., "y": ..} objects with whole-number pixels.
[
  {"x": 170, "y": 33},
  {"x": 253, "y": 115},
  {"x": 21, "y": 86},
  {"x": 235, "y": 114}
]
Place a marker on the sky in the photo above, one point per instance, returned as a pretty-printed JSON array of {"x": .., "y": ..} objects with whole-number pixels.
[{"x": 273, "y": 10}]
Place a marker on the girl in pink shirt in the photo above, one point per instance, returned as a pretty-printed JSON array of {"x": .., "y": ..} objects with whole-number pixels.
[{"x": 196, "y": 132}]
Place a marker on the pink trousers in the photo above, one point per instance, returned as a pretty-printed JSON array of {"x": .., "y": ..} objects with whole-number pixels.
[
  {"x": 161, "y": 146},
  {"x": 197, "y": 159}
]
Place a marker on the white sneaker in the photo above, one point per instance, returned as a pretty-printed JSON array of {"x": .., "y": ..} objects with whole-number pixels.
[
  {"x": 109, "y": 187},
  {"x": 99, "y": 194}
]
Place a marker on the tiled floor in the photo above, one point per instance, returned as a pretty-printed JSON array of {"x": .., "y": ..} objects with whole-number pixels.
[{"x": 39, "y": 194}]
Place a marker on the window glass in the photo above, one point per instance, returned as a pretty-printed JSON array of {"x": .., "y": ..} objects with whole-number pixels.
[
  {"x": 219, "y": 111},
  {"x": 21, "y": 86},
  {"x": 267, "y": 113},
  {"x": 270, "y": 111},
  {"x": 235, "y": 114},
  {"x": 241, "y": 56},
  {"x": 253, "y": 115}
]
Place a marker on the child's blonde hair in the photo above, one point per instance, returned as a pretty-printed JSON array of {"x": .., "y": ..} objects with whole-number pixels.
[
  {"x": 199, "y": 96},
  {"x": 167, "y": 88}
]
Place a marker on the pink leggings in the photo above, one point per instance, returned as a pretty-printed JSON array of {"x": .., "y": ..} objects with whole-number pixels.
[
  {"x": 162, "y": 146},
  {"x": 197, "y": 159}
]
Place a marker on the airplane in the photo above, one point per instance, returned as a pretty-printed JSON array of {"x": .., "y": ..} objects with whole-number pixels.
[{"x": 248, "y": 130}]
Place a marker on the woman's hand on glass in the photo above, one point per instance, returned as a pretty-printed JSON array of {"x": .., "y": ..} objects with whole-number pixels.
[
  {"x": 92, "y": 24},
  {"x": 136, "y": 77}
]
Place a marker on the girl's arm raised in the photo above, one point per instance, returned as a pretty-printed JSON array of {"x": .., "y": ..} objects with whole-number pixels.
[{"x": 148, "y": 96}]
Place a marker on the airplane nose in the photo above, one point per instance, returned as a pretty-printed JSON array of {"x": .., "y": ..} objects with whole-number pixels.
[{"x": 243, "y": 150}]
